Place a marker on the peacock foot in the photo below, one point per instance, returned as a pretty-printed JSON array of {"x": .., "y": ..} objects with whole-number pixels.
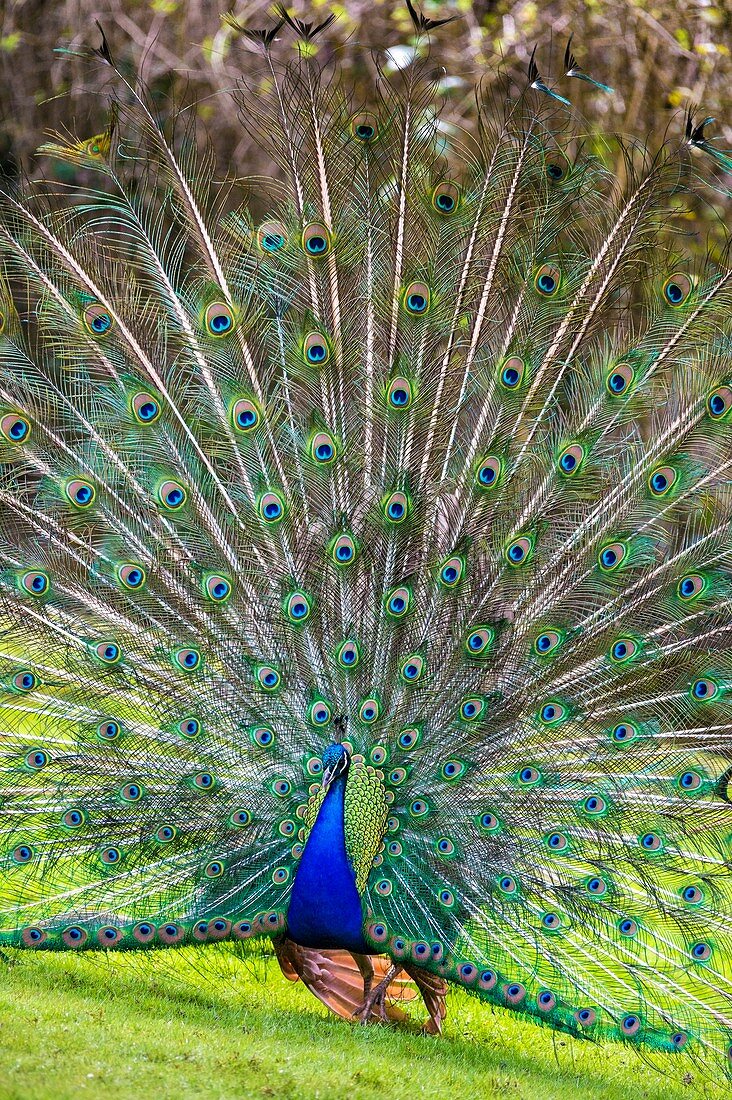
[{"x": 374, "y": 1002}]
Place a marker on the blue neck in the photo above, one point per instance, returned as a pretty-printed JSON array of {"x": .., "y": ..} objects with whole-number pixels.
[{"x": 325, "y": 907}]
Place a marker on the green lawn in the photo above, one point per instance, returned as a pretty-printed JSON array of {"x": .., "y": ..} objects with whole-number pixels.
[{"x": 132, "y": 1026}]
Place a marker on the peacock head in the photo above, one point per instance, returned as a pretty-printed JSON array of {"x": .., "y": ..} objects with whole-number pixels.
[{"x": 336, "y": 760}]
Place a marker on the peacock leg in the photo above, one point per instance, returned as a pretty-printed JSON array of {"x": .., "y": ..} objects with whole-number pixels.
[
  {"x": 376, "y": 997},
  {"x": 364, "y": 964}
]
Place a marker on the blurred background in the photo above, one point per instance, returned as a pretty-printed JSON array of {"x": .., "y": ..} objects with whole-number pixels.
[{"x": 658, "y": 56}]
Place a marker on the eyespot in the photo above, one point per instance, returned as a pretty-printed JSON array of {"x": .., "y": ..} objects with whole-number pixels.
[
  {"x": 514, "y": 993},
  {"x": 74, "y": 936},
  {"x": 110, "y": 856},
  {"x": 446, "y": 198},
  {"x": 611, "y": 556},
  {"x": 396, "y": 507},
  {"x": 693, "y": 895},
  {"x": 316, "y": 240},
  {"x": 417, "y": 299},
  {"x": 171, "y": 933},
  {"x": 488, "y": 822},
  {"x": 487, "y": 979},
  {"x": 594, "y": 805},
  {"x": 15, "y": 428},
  {"x": 268, "y": 678},
  {"x": 219, "y": 319},
  {"x": 145, "y": 408},
  {"x": 557, "y": 170},
  {"x": 131, "y": 792},
  {"x": 245, "y": 415},
  {"x": 630, "y": 1025},
  {"x": 384, "y": 887},
  {"x": 624, "y": 732},
  {"x": 80, "y": 493},
  {"x": 529, "y": 775},
  {"x": 547, "y": 280},
  {"x": 271, "y": 508},
  {"x": 241, "y": 818},
  {"x": 204, "y": 781},
  {"x": 378, "y": 755},
  {"x": 679, "y": 1040},
  {"x": 217, "y": 588},
  {"x": 651, "y": 842},
  {"x": 109, "y": 936},
  {"x": 34, "y": 937},
  {"x": 25, "y": 681},
  {"x": 451, "y": 572},
  {"x": 511, "y": 373},
  {"x": 479, "y": 641},
  {"x": 719, "y": 402},
  {"x": 570, "y": 460},
  {"x": 557, "y": 842},
  {"x": 97, "y": 319},
  {"x": 399, "y": 394},
  {"x": 297, "y": 607},
  {"x": 35, "y": 582},
  {"x": 377, "y": 931},
  {"x": 323, "y": 448},
  {"x": 172, "y": 495},
  {"x": 286, "y": 828},
  {"x": 187, "y": 660},
  {"x": 189, "y": 727},
  {"x": 624, "y": 649},
  {"x": 677, "y": 289},
  {"x": 596, "y": 886},
  {"x": 315, "y": 349},
  {"x": 627, "y": 927},
  {"x": 619, "y": 379},
  {"x": 349, "y": 654},
  {"x": 453, "y": 769},
  {"x": 131, "y": 575},
  {"x": 552, "y": 713},
  {"x": 108, "y": 652},
  {"x": 546, "y": 1001},
  {"x": 271, "y": 236},
  {"x": 263, "y": 735},
  {"x": 365, "y": 127},
  {"x": 109, "y": 730},
  {"x": 585, "y": 1016},
  {"x": 280, "y": 875},
  {"x": 343, "y": 550},
  {"x": 369, "y": 710},
  {"x": 165, "y": 834},
  {"x": 519, "y": 551},
  {"x": 214, "y": 869},
  {"x": 320, "y": 713},
  {"x": 22, "y": 854},
  {"x": 691, "y": 586},
  {"x": 472, "y": 709},
  {"x": 546, "y": 642},
  {"x": 397, "y": 602},
  {"x": 705, "y": 689},
  {"x": 690, "y": 781},
  {"x": 507, "y": 885},
  {"x": 74, "y": 819},
  {"x": 662, "y": 480},
  {"x": 397, "y": 776},
  {"x": 412, "y": 668},
  {"x": 488, "y": 472},
  {"x": 281, "y": 787},
  {"x": 551, "y": 922},
  {"x": 409, "y": 738},
  {"x": 419, "y": 808}
]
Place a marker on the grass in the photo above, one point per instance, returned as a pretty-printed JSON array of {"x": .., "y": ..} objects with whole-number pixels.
[{"x": 110, "y": 1027}]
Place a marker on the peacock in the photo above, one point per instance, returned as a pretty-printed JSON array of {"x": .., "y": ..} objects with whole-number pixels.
[{"x": 365, "y": 555}]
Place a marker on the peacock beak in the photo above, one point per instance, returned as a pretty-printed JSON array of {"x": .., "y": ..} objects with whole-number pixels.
[{"x": 328, "y": 774}]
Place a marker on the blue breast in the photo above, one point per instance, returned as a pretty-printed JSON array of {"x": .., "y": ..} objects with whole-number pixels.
[{"x": 325, "y": 907}]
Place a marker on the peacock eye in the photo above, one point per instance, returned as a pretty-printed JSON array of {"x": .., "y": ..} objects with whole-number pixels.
[
  {"x": 662, "y": 480},
  {"x": 189, "y": 727},
  {"x": 412, "y": 668},
  {"x": 677, "y": 289},
  {"x": 109, "y": 730},
  {"x": 511, "y": 373},
  {"x": 396, "y": 507},
  {"x": 244, "y": 415},
  {"x": 131, "y": 576},
  {"x": 519, "y": 551},
  {"x": 705, "y": 689},
  {"x": 611, "y": 556},
  {"x": 619, "y": 379},
  {"x": 691, "y": 586},
  {"x": 131, "y": 792},
  {"x": 172, "y": 495},
  {"x": 547, "y": 280},
  {"x": 97, "y": 319},
  {"x": 323, "y": 448},
  {"x": 719, "y": 402},
  {"x": 165, "y": 834},
  {"x": 268, "y": 678},
  {"x": 315, "y": 349},
  {"x": 219, "y": 319},
  {"x": 271, "y": 508},
  {"x": 471, "y": 710},
  {"x": 624, "y": 732},
  {"x": 14, "y": 428},
  {"x": 80, "y": 493},
  {"x": 369, "y": 710},
  {"x": 624, "y": 649},
  {"x": 316, "y": 240},
  {"x": 488, "y": 472},
  {"x": 343, "y": 550},
  {"x": 451, "y": 572},
  {"x": 547, "y": 642},
  {"x": 399, "y": 394},
  {"x": 479, "y": 640},
  {"x": 320, "y": 713},
  {"x": 365, "y": 127},
  {"x": 416, "y": 299},
  {"x": 35, "y": 583},
  {"x": 271, "y": 236},
  {"x": 397, "y": 602},
  {"x": 145, "y": 408},
  {"x": 25, "y": 681},
  {"x": 74, "y": 819},
  {"x": 187, "y": 659},
  {"x": 570, "y": 459},
  {"x": 446, "y": 198},
  {"x": 108, "y": 652},
  {"x": 217, "y": 588},
  {"x": 552, "y": 713},
  {"x": 349, "y": 654},
  {"x": 297, "y": 607}
]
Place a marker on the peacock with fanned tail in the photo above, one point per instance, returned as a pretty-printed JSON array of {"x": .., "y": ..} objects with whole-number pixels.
[{"x": 365, "y": 563}]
